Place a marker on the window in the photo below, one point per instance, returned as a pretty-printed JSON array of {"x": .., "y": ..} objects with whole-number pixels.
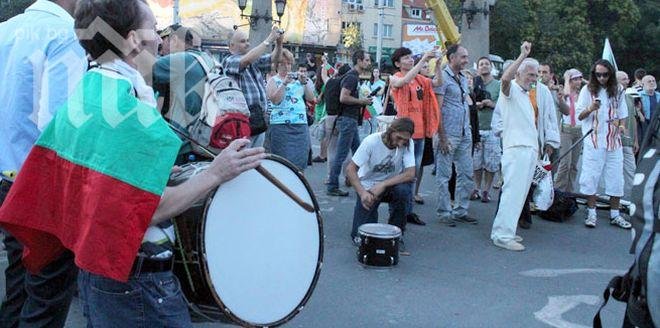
[
  {"x": 416, "y": 13},
  {"x": 387, "y": 30},
  {"x": 386, "y": 3},
  {"x": 375, "y": 29}
]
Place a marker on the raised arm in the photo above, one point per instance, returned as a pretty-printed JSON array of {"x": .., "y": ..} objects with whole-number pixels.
[
  {"x": 398, "y": 82},
  {"x": 256, "y": 52},
  {"x": 510, "y": 72}
]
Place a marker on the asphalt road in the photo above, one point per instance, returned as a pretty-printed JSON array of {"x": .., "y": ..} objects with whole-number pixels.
[{"x": 455, "y": 277}]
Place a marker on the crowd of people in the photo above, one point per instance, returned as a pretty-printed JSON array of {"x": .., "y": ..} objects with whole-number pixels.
[{"x": 473, "y": 128}]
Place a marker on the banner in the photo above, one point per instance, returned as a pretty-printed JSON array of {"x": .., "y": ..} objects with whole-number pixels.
[{"x": 315, "y": 22}]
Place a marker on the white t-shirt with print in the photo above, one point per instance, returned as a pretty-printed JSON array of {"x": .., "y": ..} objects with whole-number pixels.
[
  {"x": 601, "y": 119},
  {"x": 378, "y": 163}
]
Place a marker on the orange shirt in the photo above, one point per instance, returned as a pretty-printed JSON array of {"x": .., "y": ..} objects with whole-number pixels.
[{"x": 417, "y": 101}]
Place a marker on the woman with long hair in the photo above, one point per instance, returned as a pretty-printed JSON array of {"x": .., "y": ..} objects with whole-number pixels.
[{"x": 571, "y": 132}]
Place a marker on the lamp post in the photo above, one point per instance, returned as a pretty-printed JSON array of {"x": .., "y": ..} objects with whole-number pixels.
[
  {"x": 472, "y": 10},
  {"x": 260, "y": 20}
]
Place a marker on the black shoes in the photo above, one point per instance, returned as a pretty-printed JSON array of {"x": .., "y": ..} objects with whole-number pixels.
[
  {"x": 414, "y": 219},
  {"x": 337, "y": 192}
]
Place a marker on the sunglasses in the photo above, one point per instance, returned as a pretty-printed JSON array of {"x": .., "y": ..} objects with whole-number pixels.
[{"x": 602, "y": 75}]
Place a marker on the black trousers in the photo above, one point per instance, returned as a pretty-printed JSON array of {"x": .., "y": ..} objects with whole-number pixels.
[{"x": 35, "y": 300}]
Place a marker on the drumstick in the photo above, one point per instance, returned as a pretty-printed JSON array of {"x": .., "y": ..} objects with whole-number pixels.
[
  {"x": 262, "y": 170},
  {"x": 266, "y": 174}
]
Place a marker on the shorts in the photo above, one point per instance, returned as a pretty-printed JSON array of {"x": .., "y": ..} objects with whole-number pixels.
[
  {"x": 600, "y": 163},
  {"x": 489, "y": 156}
]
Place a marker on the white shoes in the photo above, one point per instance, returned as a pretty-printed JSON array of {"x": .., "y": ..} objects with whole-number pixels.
[
  {"x": 621, "y": 222},
  {"x": 511, "y": 245},
  {"x": 590, "y": 221}
]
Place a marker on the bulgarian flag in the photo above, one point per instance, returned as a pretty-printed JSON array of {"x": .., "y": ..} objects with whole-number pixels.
[
  {"x": 370, "y": 112},
  {"x": 93, "y": 180}
]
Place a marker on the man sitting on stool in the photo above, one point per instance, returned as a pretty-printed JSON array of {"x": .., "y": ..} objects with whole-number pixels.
[{"x": 382, "y": 170}]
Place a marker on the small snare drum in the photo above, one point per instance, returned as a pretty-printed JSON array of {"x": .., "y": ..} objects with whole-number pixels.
[{"x": 379, "y": 244}]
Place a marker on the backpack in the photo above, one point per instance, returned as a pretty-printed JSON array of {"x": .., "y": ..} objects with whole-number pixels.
[
  {"x": 224, "y": 116},
  {"x": 631, "y": 288},
  {"x": 563, "y": 207},
  {"x": 331, "y": 95}
]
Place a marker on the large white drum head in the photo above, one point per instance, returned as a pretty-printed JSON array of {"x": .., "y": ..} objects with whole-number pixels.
[{"x": 262, "y": 249}]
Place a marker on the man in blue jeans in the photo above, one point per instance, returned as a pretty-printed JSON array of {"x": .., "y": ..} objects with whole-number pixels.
[
  {"x": 347, "y": 120},
  {"x": 382, "y": 169},
  {"x": 42, "y": 63},
  {"x": 455, "y": 140}
]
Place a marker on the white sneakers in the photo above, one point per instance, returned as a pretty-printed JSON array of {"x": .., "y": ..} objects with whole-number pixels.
[
  {"x": 618, "y": 221},
  {"x": 621, "y": 222},
  {"x": 511, "y": 245},
  {"x": 590, "y": 221}
]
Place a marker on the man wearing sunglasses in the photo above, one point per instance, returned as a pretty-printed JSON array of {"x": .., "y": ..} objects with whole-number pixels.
[{"x": 601, "y": 106}]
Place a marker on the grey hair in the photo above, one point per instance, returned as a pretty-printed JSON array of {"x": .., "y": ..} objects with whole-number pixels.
[{"x": 527, "y": 63}]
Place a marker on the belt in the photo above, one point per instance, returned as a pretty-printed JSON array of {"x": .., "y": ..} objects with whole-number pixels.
[{"x": 144, "y": 264}]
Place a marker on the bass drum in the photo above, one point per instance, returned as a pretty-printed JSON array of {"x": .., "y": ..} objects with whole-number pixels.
[{"x": 247, "y": 253}]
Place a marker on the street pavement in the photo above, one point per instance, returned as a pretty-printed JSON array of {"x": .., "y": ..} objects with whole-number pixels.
[{"x": 455, "y": 277}]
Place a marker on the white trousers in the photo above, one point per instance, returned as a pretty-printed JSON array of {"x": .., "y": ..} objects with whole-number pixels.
[
  {"x": 518, "y": 165},
  {"x": 601, "y": 164}
]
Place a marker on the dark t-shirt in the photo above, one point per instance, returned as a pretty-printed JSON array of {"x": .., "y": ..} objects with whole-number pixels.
[{"x": 350, "y": 82}]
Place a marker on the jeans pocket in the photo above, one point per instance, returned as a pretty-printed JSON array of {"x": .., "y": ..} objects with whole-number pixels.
[
  {"x": 113, "y": 303},
  {"x": 169, "y": 301}
]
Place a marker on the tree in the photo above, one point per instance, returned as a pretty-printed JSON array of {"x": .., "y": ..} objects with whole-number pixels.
[
  {"x": 566, "y": 33},
  {"x": 11, "y": 8},
  {"x": 640, "y": 45},
  {"x": 352, "y": 37}
]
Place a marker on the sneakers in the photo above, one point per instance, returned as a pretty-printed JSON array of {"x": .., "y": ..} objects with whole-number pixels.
[
  {"x": 484, "y": 197},
  {"x": 337, "y": 192},
  {"x": 447, "y": 221},
  {"x": 621, "y": 222},
  {"x": 474, "y": 195},
  {"x": 466, "y": 219},
  {"x": 402, "y": 248},
  {"x": 511, "y": 245},
  {"x": 590, "y": 221},
  {"x": 518, "y": 238}
]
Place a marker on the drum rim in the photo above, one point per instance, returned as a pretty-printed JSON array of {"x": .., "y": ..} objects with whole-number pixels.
[
  {"x": 395, "y": 234},
  {"x": 205, "y": 270}
]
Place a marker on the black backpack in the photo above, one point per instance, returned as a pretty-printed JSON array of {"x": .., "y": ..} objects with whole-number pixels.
[
  {"x": 331, "y": 95},
  {"x": 631, "y": 288},
  {"x": 563, "y": 207}
]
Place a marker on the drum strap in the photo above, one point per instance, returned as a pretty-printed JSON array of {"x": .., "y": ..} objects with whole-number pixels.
[{"x": 183, "y": 257}]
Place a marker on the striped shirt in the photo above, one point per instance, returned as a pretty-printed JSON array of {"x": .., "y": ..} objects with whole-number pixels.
[{"x": 251, "y": 78}]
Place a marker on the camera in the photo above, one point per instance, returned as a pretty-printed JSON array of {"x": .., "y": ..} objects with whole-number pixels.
[{"x": 293, "y": 75}]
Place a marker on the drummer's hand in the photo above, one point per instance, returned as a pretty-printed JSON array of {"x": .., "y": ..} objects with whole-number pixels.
[
  {"x": 235, "y": 160},
  {"x": 367, "y": 199},
  {"x": 175, "y": 169},
  {"x": 377, "y": 189}
]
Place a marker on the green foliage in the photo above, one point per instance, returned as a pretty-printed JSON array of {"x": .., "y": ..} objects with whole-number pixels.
[
  {"x": 571, "y": 33},
  {"x": 11, "y": 8}
]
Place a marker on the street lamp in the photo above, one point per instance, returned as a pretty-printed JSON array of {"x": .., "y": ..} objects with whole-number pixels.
[
  {"x": 472, "y": 10},
  {"x": 255, "y": 16}
]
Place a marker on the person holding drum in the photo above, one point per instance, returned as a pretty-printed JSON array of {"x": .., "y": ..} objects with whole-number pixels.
[
  {"x": 382, "y": 170},
  {"x": 115, "y": 152}
]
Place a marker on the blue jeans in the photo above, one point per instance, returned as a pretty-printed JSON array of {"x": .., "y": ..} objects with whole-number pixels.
[
  {"x": 397, "y": 196},
  {"x": 461, "y": 156},
  {"x": 146, "y": 300},
  {"x": 419, "y": 153},
  {"x": 35, "y": 300},
  {"x": 348, "y": 139}
]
